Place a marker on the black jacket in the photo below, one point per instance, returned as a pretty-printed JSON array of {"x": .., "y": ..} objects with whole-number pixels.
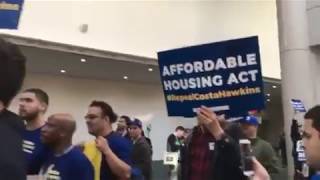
[
  {"x": 12, "y": 160},
  {"x": 225, "y": 160},
  {"x": 173, "y": 143},
  {"x": 141, "y": 157}
]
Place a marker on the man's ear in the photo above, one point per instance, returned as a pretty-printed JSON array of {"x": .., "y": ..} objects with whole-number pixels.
[
  {"x": 107, "y": 119},
  {"x": 43, "y": 107}
]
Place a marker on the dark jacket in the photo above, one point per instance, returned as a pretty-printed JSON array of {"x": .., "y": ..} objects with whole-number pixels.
[
  {"x": 225, "y": 160},
  {"x": 12, "y": 160},
  {"x": 141, "y": 157},
  {"x": 265, "y": 154},
  {"x": 174, "y": 144}
]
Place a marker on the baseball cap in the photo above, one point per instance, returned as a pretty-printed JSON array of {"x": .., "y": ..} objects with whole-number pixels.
[
  {"x": 136, "y": 122},
  {"x": 252, "y": 120}
]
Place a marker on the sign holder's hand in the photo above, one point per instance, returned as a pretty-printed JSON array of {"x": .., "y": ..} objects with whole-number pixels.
[{"x": 209, "y": 119}]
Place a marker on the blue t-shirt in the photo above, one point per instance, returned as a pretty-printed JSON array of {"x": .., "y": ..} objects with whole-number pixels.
[
  {"x": 72, "y": 165},
  {"x": 35, "y": 151},
  {"x": 121, "y": 147},
  {"x": 315, "y": 177}
]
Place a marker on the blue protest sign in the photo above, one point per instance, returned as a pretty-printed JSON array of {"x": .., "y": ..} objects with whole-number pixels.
[
  {"x": 10, "y": 11},
  {"x": 225, "y": 76},
  {"x": 298, "y": 105}
]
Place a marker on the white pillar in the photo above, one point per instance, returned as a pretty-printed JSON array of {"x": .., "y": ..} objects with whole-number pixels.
[{"x": 296, "y": 63}]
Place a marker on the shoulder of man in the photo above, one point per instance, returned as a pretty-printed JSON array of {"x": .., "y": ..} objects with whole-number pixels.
[
  {"x": 81, "y": 165},
  {"x": 171, "y": 136},
  {"x": 143, "y": 142},
  {"x": 13, "y": 120},
  {"x": 264, "y": 142},
  {"x": 78, "y": 157},
  {"x": 119, "y": 143},
  {"x": 266, "y": 146}
]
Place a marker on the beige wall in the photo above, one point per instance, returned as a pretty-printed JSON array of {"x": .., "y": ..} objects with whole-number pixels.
[
  {"x": 313, "y": 15},
  {"x": 144, "y": 101}
]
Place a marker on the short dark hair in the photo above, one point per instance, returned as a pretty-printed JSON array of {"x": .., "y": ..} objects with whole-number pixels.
[
  {"x": 314, "y": 114},
  {"x": 106, "y": 110},
  {"x": 180, "y": 128},
  {"x": 126, "y": 118},
  {"x": 41, "y": 95},
  {"x": 12, "y": 71}
]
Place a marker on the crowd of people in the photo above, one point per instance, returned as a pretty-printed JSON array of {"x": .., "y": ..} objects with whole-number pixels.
[{"x": 43, "y": 148}]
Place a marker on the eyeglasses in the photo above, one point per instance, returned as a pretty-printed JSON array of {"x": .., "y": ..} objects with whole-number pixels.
[{"x": 91, "y": 116}]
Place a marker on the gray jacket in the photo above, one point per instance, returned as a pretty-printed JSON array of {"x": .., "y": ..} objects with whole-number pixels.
[{"x": 141, "y": 157}]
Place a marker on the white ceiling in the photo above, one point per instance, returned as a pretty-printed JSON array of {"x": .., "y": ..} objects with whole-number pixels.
[{"x": 51, "y": 62}]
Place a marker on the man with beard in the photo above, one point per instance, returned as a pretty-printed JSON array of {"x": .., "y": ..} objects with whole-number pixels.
[{"x": 33, "y": 104}]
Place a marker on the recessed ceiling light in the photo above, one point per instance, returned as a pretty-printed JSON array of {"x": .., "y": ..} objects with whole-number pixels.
[
  {"x": 150, "y": 69},
  {"x": 268, "y": 95},
  {"x": 83, "y": 60},
  {"x": 63, "y": 71},
  {"x": 274, "y": 87},
  {"x": 125, "y": 77},
  {"x": 268, "y": 100}
]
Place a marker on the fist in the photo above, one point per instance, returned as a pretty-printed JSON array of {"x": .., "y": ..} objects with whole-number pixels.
[
  {"x": 206, "y": 116},
  {"x": 102, "y": 144}
]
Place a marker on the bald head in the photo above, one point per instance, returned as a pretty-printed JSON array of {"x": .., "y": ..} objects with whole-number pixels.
[
  {"x": 59, "y": 128},
  {"x": 65, "y": 122}
]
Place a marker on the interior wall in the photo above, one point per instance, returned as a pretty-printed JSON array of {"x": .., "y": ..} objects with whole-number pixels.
[
  {"x": 144, "y": 101},
  {"x": 145, "y": 27},
  {"x": 316, "y": 55},
  {"x": 313, "y": 15},
  {"x": 272, "y": 124}
]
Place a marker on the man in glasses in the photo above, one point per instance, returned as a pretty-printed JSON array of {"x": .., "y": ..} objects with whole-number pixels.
[{"x": 113, "y": 157}]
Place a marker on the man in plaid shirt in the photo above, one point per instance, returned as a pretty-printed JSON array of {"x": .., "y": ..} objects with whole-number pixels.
[{"x": 210, "y": 154}]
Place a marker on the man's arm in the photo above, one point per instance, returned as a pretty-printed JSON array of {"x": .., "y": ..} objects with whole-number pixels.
[
  {"x": 271, "y": 161},
  {"x": 117, "y": 166},
  {"x": 144, "y": 156}
]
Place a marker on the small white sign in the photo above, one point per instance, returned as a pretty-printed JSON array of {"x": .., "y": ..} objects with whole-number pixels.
[
  {"x": 300, "y": 147},
  {"x": 302, "y": 156},
  {"x": 171, "y": 158},
  {"x": 211, "y": 146}
]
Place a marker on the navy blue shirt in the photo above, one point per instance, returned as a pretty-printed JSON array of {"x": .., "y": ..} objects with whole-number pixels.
[
  {"x": 72, "y": 165},
  {"x": 34, "y": 150},
  {"x": 122, "y": 148}
]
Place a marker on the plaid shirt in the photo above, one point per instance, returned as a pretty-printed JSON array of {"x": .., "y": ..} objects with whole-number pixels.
[{"x": 200, "y": 155}]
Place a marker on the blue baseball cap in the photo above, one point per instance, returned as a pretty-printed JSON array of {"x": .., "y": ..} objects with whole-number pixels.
[
  {"x": 251, "y": 120},
  {"x": 136, "y": 122}
]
